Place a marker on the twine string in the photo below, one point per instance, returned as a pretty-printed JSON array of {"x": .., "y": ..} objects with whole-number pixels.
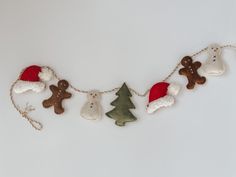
[
  {"x": 25, "y": 111},
  {"x": 133, "y": 90},
  {"x": 38, "y": 126}
]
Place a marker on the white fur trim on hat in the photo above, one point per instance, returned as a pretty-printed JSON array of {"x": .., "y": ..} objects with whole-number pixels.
[
  {"x": 165, "y": 101},
  {"x": 46, "y": 74},
  {"x": 173, "y": 89},
  {"x": 23, "y": 86}
]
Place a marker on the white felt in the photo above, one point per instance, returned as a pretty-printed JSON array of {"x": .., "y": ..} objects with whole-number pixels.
[
  {"x": 173, "y": 89},
  {"x": 214, "y": 65},
  {"x": 23, "y": 86},
  {"x": 46, "y": 74},
  {"x": 92, "y": 109},
  {"x": 165, "y": 101}
]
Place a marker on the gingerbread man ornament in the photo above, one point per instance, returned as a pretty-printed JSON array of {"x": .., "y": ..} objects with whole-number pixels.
[
  {"x": 59, "y": 93},
  {"x": 190, "y": 71}
]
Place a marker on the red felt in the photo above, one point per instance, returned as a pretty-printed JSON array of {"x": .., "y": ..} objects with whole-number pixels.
[
  {"x": 31, "y": 74},
  {"x": 158, "y": 90}
]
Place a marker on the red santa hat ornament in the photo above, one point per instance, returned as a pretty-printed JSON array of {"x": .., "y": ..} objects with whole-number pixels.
[
  {"x": 33, "y": 78},
  {"x": 162, "y": 95}
]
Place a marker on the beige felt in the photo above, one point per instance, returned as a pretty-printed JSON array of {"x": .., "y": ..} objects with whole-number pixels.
[
  {"x": 214, "y": 65},
  {"x": 92, "y": 109}
]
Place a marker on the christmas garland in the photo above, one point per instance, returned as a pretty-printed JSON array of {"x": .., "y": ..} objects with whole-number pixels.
[{"x": 161, "y": 94}]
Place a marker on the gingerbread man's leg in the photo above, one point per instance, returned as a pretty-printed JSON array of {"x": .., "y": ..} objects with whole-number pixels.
[
  {"x": 201, "y": 80},
  {"x": 190, "y": 84},
  {"x": 58, "y": 109}
]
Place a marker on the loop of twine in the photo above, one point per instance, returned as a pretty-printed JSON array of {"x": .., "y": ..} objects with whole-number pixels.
[
  {"x": 24, "y": 113},
  {"x": 35, "y": 124}
]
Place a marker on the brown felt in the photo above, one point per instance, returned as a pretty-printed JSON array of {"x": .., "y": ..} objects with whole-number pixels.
[
  {"x": 58, "y": 95},
  {"x": 190, "y": 71}
]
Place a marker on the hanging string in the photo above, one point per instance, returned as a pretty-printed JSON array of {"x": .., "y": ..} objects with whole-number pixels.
[
  {"x": 25, "y": 111},
  {"x": 194, "y": 55},
  {"x": 146, "y": 92},
  {"x": 102, "y": 92},
  {"x": 229, "y": 46},
  {"x": 38, "y": 126}
]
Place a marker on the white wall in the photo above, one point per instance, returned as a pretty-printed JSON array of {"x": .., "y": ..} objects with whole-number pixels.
[{"x": 99, "y": 44}]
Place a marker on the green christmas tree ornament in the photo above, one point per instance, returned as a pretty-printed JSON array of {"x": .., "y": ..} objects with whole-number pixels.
[{"x": 121, "y": 113}]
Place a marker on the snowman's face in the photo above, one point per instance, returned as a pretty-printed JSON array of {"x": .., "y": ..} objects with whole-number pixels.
[
  {"x": 214, "y": 49},
  {"x": 94, "y": 95}
]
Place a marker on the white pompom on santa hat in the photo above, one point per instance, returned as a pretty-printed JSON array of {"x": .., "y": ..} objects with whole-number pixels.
[
  {"x": 162, "y": 95},
  {"x": 33, "y": 78}
]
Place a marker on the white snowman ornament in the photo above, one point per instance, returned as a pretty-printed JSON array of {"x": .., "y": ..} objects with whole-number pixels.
[
  {"x": 92, "y": 109},
  {"x": 214, "y": 65}
]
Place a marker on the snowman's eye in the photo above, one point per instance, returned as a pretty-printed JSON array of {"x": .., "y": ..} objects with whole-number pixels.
[
  {"x": 214, "y": 60},
  {"x": 91, "y": 94}
]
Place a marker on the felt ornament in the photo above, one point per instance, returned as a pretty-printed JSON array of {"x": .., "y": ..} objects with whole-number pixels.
[
  {"x": 92, "y": 109},
  {"x": 59, "y": 93},
  {"x": 214, "y": 65},
  {"x": 190, "y": 70},
  {"x": 121, "y": 113},
  {"x": 162, "y": 95},
  {"x": 33, "y": 78}
]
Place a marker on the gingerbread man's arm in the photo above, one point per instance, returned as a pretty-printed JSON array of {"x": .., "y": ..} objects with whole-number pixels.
[
  {"x": 47, "y": 103},
  {"x": 182, "y": 71},
  {"x": 53, "y": 88},
  {"x": 67, "y": 95},
  {"x": 197, "y": 64}
]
